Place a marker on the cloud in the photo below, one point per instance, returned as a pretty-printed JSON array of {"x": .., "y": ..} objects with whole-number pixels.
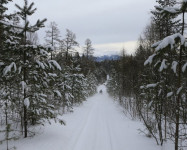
[
  {"x": 115, "y": 48},
  {"x": 103, "y": 21},
  {"x": 110, "y": 24}
]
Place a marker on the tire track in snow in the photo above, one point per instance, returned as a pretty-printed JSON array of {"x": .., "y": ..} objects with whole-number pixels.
[
  {"x": 110, "y": 137},
  {"x": 77, "y": 137},
  {"x": 97, "y": 125}
]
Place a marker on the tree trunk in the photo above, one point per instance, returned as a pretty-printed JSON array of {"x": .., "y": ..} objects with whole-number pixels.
[
  {"x": 178, "y": 96},
  {"x": 24, "y": 79}
]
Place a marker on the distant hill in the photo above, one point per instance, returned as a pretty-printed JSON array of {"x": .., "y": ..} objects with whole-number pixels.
[{"x": 106, "y": 57}]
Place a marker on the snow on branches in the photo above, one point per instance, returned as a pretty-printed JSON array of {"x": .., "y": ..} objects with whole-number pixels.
[
  {"x": 55, "y": 64},
  {"x": 8, "y": 69},
  {"x": 169, "y": 41},
  {"x": 163, "y": 49}
]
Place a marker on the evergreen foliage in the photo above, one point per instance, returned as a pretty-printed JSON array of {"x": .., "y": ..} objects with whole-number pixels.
[
  {"x": 154, "y": 89},
  {"x": 33, "y": 88}
]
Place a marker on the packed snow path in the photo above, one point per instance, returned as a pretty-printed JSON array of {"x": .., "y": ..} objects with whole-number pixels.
[{"x": 98, "y": 124}]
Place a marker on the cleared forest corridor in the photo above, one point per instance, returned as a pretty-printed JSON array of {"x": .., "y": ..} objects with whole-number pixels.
[{"x": 99, "y": 124}]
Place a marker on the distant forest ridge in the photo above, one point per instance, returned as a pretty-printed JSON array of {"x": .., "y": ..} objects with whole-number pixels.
[{"x": 107, "y": 57}]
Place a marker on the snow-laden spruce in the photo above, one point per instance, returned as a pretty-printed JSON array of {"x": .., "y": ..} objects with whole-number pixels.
[
  {"x": 26, "y": 71},
  {"x": 168, "y": 58},
  {"x": 166, "y": 46}
]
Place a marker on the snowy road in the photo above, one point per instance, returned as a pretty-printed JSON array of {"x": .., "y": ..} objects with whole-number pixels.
[{"x": 98, "y": 124}]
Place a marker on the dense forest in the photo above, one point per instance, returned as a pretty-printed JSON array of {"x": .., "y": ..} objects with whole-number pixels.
[
  {"x": 39, "y": 83},
  {"x": 152, "y": 84}
]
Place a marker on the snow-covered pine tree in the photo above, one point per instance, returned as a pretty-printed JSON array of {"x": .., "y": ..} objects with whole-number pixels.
[
  {"x": 65, "y": 59},
  {"x": 91, "y": 84},
  {"x": 35, "y": 70},
  {"x": 163, "y": 26},
  {"x": 67, "y": 87},
  {"x": 162, "y": 59},
  {"x": 9, "y": 46},
  {"x": 78, "y": 83},
  {"x": 3, "y": 18},
  {"x": 112, "y": 84}
]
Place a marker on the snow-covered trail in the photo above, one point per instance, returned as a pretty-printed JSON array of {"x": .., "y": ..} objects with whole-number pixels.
[{"x": 98, "y": 124}]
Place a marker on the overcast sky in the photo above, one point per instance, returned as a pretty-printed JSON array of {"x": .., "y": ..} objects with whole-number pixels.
[{"x": 110, "y": 24}]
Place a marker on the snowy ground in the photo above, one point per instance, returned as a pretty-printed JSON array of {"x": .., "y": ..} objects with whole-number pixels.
[{"x": 98, "y": 124}]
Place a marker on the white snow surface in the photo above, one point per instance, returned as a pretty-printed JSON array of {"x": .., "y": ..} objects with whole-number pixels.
[{"x": 98, "y": 124}]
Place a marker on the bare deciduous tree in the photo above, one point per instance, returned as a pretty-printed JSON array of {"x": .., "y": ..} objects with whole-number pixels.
[
  {"x": 52, "y": 36},
  {"x": 88, "y": 49}
]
